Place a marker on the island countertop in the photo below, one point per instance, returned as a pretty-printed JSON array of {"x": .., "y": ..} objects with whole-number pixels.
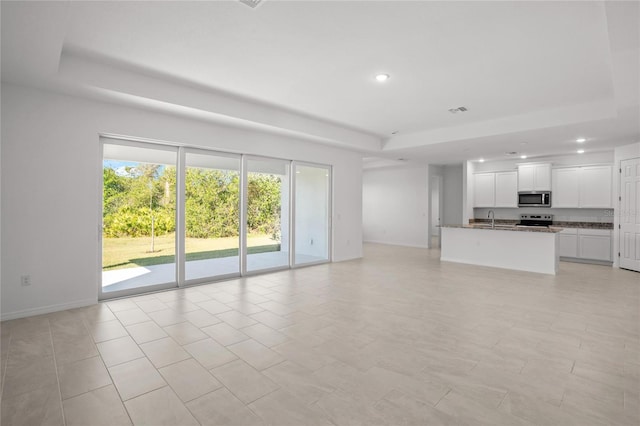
[{"x": 548, "y": 230}]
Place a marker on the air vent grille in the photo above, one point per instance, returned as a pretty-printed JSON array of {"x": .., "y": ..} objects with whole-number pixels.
[
  {"x": 457, "y": 110},
  {"x": 251, "y": 3}
]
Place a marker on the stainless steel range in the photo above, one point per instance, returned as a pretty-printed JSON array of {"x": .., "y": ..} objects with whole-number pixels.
[{"x": 541, "y": 220}]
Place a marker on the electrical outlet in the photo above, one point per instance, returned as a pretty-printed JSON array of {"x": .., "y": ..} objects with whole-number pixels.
[
  {"x": 25, "y": 280},
  {"x": 311, "y": 241}
]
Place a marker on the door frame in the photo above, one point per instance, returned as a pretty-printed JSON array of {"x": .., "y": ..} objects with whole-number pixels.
[{"x": 109, "y": 140}]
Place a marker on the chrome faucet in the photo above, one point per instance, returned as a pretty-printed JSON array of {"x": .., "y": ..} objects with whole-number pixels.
[{"x": 493, "y": 218}]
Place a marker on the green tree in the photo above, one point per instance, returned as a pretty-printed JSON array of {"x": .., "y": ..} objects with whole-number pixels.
[{"x": 140, "y": 201}]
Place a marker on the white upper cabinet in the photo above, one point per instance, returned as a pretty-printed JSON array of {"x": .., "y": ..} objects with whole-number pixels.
[
  {"x": 595, "y": 187},
  {"x": 506, "y": 189},
  {"x": 582, "y": 187},
  {"x": 565, "y": 190},
  {"x": 496, "y": 189},
  {"x": 534, "y": 177},
  {"x": 484, "y": 190}
]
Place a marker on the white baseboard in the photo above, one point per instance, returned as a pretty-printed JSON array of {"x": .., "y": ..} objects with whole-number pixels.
[
  {"x": 396, "y": 244},
  {"x": 47, "y": 309}
]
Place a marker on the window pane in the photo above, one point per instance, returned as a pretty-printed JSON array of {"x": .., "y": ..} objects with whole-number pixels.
[
  {"x": 311, "y": 214},
  {"x": 138, "y": 220},
  {"x": 267, "y": 214},
  {"x": 212, "y": 216}
]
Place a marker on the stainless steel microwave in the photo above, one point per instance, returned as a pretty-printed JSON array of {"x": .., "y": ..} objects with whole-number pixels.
[{"x": 534, "y": 199}]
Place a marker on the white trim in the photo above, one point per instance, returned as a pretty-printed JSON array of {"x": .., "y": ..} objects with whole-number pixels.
[
  {"x": 47, "y": 309},
  {"x": 180, "y": 229},
  {"x": 244, "y": 187},
  {"x": 293, "y": 181}
]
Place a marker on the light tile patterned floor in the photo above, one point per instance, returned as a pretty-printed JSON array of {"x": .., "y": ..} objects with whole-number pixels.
[{"x": 397, "y": 338}]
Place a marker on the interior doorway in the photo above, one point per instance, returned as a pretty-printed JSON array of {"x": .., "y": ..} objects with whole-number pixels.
[{"x": 436, "y": 210}]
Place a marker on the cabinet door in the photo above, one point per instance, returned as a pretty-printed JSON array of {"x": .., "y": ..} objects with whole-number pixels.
[
  {"x": 506, "y": 189},
  {"x": 594, "y": 244},
  {"x": 565, "y": 190},
  {"x": 542, "y": 177},
  {"x": 568, "y": 245},
  {"x": 484, "y": 190},
  {"x": 525, "y": 178},
  {"x": 595, "y": 187}
]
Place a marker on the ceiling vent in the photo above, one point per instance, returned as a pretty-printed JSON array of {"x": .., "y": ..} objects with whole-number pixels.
[
  {"x": 457, "y": 110},
  {"x": 251, "y": 3},
  {"x": 511, "y": 153}
]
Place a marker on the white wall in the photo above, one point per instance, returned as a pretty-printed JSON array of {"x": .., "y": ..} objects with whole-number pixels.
[
  {"x": 395, "y": 205},
  {"x": 51, "y": 194},
  {"x": 621, "y": 153},
  {"x": 452, "y": 195}
]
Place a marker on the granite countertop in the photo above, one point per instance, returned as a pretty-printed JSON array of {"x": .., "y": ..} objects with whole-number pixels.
[
  {"x": 507, "y": 227},
  {"x": 560, "y": 224}
]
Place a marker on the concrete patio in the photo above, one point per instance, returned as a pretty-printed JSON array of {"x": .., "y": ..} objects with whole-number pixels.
[{"x": 142, "y": 276}]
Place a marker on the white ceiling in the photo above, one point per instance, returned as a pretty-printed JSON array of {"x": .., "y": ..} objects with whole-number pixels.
[{"x": 540, "y": 73}]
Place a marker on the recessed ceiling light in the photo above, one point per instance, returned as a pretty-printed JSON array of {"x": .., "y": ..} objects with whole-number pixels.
[
  {"x": 580, "y": 140},
  {"x": 523, "y": 156},
  {"x": 581, "y": 151},
  {"x": 382, "y": 77},
  {"x": 481, "y": 160}
]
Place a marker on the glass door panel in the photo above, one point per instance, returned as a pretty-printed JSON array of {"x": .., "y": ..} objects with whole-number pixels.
[
  {"x": 267, "y": 214},
  {"x": 212, "y": 216},
  {"x": 138, "y": 218},
  {"x": 312, "y": 189}
]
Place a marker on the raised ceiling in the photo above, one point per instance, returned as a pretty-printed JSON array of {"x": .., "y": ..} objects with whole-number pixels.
[{"x": 534, "y": 73}]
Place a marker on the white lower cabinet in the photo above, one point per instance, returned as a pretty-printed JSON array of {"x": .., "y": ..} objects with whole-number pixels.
[
  {"x": 587, "y": 244},
  {"x": 594, "y": 244},
  {"x": 568, "y": 242}
]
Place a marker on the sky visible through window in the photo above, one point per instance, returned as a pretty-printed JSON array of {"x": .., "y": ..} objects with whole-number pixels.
[{"x": 121, "y": 166}]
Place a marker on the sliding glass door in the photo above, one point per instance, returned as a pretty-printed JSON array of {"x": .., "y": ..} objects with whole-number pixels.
[
  {"x": 267, "y": 214},
  {"x": 312, "y": 213},
  {"x": 212, "y": 215},
  {"x": 174, "y": 216},
  {"x": 138, "y": 217}
]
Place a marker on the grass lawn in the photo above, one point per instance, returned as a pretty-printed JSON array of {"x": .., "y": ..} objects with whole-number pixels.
[{"x": 120, "y": 253}]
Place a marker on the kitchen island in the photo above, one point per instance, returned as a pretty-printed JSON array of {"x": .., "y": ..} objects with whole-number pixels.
[{"x": 533, "y": 249}]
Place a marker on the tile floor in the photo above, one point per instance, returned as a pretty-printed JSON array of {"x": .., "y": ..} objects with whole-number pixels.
[{"x": 397, "y": 338}]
